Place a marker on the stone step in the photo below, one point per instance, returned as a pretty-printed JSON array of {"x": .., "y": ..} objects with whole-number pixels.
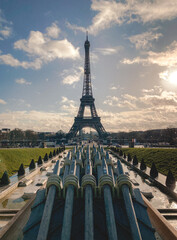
[
  {"x": 7, "y": 215},
  {"x": 2, "y": 211}
]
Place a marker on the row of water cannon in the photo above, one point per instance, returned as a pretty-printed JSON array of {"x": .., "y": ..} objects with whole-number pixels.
[
  {"x": 104, "y": 187},
  {"x": 97, "y": 163},
  {"x": 87, "y": 157}
]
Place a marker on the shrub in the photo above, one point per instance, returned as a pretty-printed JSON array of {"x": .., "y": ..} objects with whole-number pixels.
[
  {"x": 129, "y": 158},
  {"x": 39, "y": 162},
  {"x": 46, "y": 158},
  {"x": 21, "y": 170},
  {"x": 120, "y": 153},
  {"x": 153, "y": 171},
  {"x": 143, "y": 165},
  {"x": 54, "y": 153},
  {"x": 135, "y": 160},
  {"x": 50, "y": 155},
  {"x": 32, "y": 164},
  {"x": 170, "y": 180},
  {"x": 5, "y": 179}
]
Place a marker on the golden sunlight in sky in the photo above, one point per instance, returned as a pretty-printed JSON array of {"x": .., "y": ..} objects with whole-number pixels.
[{"x": 173, "y": 78}]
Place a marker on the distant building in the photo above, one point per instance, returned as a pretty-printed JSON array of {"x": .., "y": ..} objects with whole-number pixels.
[
  {"x": 5, "y": 130},
  {"x": 47, "y": 144},
  {"x": 4, "y": 143}
]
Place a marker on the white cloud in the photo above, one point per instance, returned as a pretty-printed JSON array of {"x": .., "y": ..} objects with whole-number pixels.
[
  {"x": 125, "y": 101},
  {"x": 75, "y": 27},
  {"x": 117, "y": 87},
  {"x": 2, "y": 18},
  {"x": 166, "y": 58},
  {"x": 108, "y": 14},
  {"x": 112, "y": 12},
  {"x": 53, "y": 31},
  {"x": 158, "y": 109},
  {"x": 72, "y": 76},
  {"x": 113, "y": 88},
  {"x": 162, "y": 99},
  {"x": 107, "y": 51},
  {"x": 35, "y": 120},
  {"x": 22, "y": 81},
  {"x": 158, "y": 97},
  {"x": 39, "y": 120},
  {"x": 129, "y": 97},
  {"x": 156, "y": 90},
  {"x": 37, "y": 45},
  {"x": 149, "y": 11},
  {"x": 164, "y": 75},
  {"x": 41, "y": 49},
  {"x": 144, "y": 40},
  {"x": 6, "y": 32},
  {"x": 111, "y": 100},
  {"x": 170, "y": 76},
  {"x": 137, "y": 60},
  {"x": 66, "y": 100},
  {"x": 8, "y": 59},
  {"x": 141, "y": 119},
  {"x": 2, "y": 101},
  {"x": 93, "y": 57},
  {"x": 69, "y": 106},
  {"x": 127, "y": 104}
]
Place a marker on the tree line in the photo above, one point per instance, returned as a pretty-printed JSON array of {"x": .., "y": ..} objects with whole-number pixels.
[{"x": 168, "y": 135}]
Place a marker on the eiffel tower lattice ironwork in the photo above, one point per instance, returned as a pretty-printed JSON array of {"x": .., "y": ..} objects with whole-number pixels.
[{"x": 87, "y": 100}]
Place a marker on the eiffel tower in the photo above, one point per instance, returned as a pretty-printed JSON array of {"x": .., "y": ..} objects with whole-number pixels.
[{"x": 87, "y": 100}]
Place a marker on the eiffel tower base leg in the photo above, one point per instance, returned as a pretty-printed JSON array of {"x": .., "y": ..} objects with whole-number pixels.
[{"x": 80, "y": 123}]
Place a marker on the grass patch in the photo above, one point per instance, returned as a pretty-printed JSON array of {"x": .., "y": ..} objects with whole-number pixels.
[
  {"x": 10, "y": 159},
  {"x": 164, "y": 159}
]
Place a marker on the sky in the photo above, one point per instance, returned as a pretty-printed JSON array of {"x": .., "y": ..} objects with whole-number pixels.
[{"x": 133, "y": 63}]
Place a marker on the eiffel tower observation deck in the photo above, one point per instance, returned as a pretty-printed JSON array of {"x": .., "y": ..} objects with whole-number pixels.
[{"x": 87, "y": 100}]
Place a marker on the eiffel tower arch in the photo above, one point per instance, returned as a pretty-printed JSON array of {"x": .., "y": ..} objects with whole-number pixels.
[{"x": 87, "y": 100}]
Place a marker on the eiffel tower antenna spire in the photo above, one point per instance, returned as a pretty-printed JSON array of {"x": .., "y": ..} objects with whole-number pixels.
[
  {"x": 87, "y": 87},
  {"x": 87, "y": 100}
]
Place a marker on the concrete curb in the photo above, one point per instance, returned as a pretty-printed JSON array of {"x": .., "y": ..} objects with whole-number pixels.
[{"x": 162, "y": 226}]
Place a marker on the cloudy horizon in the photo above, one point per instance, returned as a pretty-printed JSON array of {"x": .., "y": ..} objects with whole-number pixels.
[{"x": 133, "y": 57}]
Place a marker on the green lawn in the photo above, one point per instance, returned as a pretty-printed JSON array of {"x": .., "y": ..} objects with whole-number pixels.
[
  {"x": 164, "y": 159},
  {"x": 10, "y": 159}
]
